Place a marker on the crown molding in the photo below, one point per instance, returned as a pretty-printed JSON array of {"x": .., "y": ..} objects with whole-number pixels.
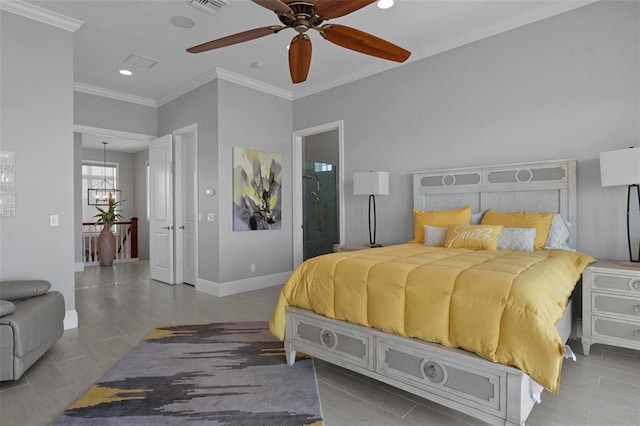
[
  {"x": 222, "y": 74},
  {"x": 253, "y": 84},
  {"x": 40, "y": 14},
  {"x": 112, "y": 94},
  {"x": 187, "y": 87}
]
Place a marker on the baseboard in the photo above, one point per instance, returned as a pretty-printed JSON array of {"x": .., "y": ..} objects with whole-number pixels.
[
  {"x": 70, "y": 319},
  {"x": 241, "y": 286},
  {"x": 79, "y": 266}
]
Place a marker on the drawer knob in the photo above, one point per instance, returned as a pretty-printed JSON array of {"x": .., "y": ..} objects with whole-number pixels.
[
  {"x": 636, "y": 334},
  {"x": 636, "y": 309},
  {"x": 433, "y": 371},
  {"x": 328, "y": 338},
  {"x": 636, "y": 285}
]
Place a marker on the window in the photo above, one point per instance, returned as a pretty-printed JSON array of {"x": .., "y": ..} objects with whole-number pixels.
[
  {"x": 323, "y": 167},
  {"x": 93, "y": 174}
]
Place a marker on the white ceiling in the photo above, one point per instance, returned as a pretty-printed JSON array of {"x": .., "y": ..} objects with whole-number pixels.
[{"x": 114, "y": 29}]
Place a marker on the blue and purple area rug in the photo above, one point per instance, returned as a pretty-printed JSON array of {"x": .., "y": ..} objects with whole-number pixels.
[{"x": 208, "y": 374}]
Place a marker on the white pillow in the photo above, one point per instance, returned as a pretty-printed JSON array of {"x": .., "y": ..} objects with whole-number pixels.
[
  {"x": 476, "y": 218},
  {"x": 558, "y": 233},
  {"x": 516, "y": 239},
  {"x": 435, "y": 235}
]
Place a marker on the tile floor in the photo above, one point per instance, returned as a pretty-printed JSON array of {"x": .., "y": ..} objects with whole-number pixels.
[{"x": 118, "y": 306}]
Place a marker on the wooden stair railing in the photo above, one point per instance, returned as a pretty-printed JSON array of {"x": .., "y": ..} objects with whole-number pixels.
[{"x": 125, "y": 232}]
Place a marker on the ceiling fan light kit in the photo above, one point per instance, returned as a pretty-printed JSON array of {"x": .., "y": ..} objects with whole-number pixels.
[{"x": 305, "y": 15}]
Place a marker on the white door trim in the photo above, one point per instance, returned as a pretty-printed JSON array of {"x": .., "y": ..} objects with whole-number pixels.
[{"x": 298, "y": 162}]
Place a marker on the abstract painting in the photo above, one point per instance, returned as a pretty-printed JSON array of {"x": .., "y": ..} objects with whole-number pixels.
[{"x": 257, "y": 199}]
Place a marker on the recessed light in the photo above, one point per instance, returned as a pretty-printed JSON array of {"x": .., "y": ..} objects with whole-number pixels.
[
  {"x": 182, "y": 22},
  {"x": 126, "y": 72},
  {"x": 385, "y": 4}
]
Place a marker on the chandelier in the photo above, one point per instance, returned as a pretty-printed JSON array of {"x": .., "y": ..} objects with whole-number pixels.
[{"x": 100, "y": 193}]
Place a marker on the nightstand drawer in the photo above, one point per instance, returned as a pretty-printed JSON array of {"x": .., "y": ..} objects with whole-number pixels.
[
  {"x": 628, "y": 331},
  {"x": 616, "y": 282},
  {"x": 617, "y": 305}
]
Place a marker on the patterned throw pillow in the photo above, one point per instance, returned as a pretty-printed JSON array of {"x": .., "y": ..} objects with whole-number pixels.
[
  {"x": 558, "y": 233},
  {"x": 516, "y": 239},
  {"x": 475, "y": 237}
]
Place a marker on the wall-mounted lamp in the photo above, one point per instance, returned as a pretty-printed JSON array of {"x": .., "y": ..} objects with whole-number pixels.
[
  {"x": 619, "y": 168},
  {"x": 371, "y": 184}
]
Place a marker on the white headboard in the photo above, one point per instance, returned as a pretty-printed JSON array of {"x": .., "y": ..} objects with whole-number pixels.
[{"x": 545, "y": 186}]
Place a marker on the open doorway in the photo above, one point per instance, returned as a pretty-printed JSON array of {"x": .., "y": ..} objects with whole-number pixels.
[{"x": 318, "y": 175}]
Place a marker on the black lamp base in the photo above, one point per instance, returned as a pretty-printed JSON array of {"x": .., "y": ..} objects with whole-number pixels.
[
  {"x": 632, "y": 259},
  {"x": 372, "y": 233}
]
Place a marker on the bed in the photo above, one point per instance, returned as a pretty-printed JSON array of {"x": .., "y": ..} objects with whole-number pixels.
[{"x": 465, "y": 359}]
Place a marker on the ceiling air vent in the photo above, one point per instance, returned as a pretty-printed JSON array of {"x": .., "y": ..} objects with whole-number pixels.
[{"x": 208, "y": 6}]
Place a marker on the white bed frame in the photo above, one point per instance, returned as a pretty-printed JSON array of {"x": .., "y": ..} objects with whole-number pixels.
[{"x": 494, "y": 393}]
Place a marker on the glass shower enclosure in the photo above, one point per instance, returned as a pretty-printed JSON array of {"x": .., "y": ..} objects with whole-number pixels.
[{"x": 320, "y": 209}]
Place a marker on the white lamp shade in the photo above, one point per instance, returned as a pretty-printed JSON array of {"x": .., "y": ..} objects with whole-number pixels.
[
  {"x": 371, "y": 183},
  {"x": 621, "y": 167}
]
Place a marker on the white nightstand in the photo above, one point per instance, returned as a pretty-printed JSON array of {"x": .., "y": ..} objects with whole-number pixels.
[{"x": 611, "y": 305}]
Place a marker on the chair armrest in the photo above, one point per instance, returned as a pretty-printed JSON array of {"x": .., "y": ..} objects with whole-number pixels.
[
  {"x": 6, "y": 308},
  {"x": 22, "y": 289}
]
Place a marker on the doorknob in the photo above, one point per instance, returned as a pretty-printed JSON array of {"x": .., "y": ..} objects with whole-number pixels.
[
  {"x": 181, "y": 227},
  {"x": 167, "y": 227}
]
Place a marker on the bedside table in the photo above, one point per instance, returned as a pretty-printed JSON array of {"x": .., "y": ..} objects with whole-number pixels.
[{"x": 611, "y": 305}]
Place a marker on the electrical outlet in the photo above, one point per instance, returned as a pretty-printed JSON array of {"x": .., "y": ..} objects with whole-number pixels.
[
  {"x": 252, "y": 267},
  {"x": 211, "y": 217},
  {"x": 53, "y": 220}
]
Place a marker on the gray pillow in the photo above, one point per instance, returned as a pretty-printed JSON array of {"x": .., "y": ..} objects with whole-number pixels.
[
  {"x": 6, "y": 308},
  {"x": 22, "y": 289}
]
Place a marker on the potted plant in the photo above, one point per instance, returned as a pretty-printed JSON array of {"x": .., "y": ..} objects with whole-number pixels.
[{"x": 106, "y": 240}]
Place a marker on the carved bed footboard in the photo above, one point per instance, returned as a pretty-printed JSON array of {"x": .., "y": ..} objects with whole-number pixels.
[{"x": 455, "y": 378}]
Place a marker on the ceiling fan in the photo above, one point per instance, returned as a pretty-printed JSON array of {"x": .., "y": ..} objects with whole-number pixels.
[{"x": 304, "y": 15}]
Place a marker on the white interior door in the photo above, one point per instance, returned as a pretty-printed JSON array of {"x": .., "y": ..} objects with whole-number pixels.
[
  {"x": 161, "y": 226},
  {"x": 186, "y": 174}
]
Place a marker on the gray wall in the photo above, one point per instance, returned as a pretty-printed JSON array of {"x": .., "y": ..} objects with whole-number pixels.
[
  {"x": 36, "y": 76},
  {"x": 256, "y": 120},
  {"x": 112, "y": 114},
  {"x": 322, "y": 147},
  {"x": 140, "y": 201},
  {"x": 564, "y": 87},
  {"x": 77, "y": 204},
  {"x": 229, "y": 115}
]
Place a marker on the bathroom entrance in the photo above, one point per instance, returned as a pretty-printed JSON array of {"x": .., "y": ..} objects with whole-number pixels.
[{"x": 318, "y": 182}]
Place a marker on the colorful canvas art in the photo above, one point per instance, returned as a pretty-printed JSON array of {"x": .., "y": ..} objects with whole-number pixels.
[{"x": 257, "y": 199}]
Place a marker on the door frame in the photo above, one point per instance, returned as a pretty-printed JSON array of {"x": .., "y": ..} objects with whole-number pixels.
[
  {"x": 190, "y": 130},
  {"x": 297, "y": 139}
]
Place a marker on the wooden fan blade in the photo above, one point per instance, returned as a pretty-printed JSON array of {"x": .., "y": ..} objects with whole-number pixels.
[
  {"x": 330, "y": 9},
  {"x": 362, "y": 42},
  {"x": 275, "y": 5},
  {"x": 299, "y": 58},
  {"x": 235, "y": 38}
]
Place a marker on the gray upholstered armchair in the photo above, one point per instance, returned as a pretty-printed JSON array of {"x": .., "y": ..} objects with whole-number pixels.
[{"x": 31, "y": 321}]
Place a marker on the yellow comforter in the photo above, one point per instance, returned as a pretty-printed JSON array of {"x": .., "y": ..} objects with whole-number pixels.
[{"x": 502, "y": 305}]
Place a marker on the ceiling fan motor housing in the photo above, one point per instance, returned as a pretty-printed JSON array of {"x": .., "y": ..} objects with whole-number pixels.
[{"x": 304, "y": 16}]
